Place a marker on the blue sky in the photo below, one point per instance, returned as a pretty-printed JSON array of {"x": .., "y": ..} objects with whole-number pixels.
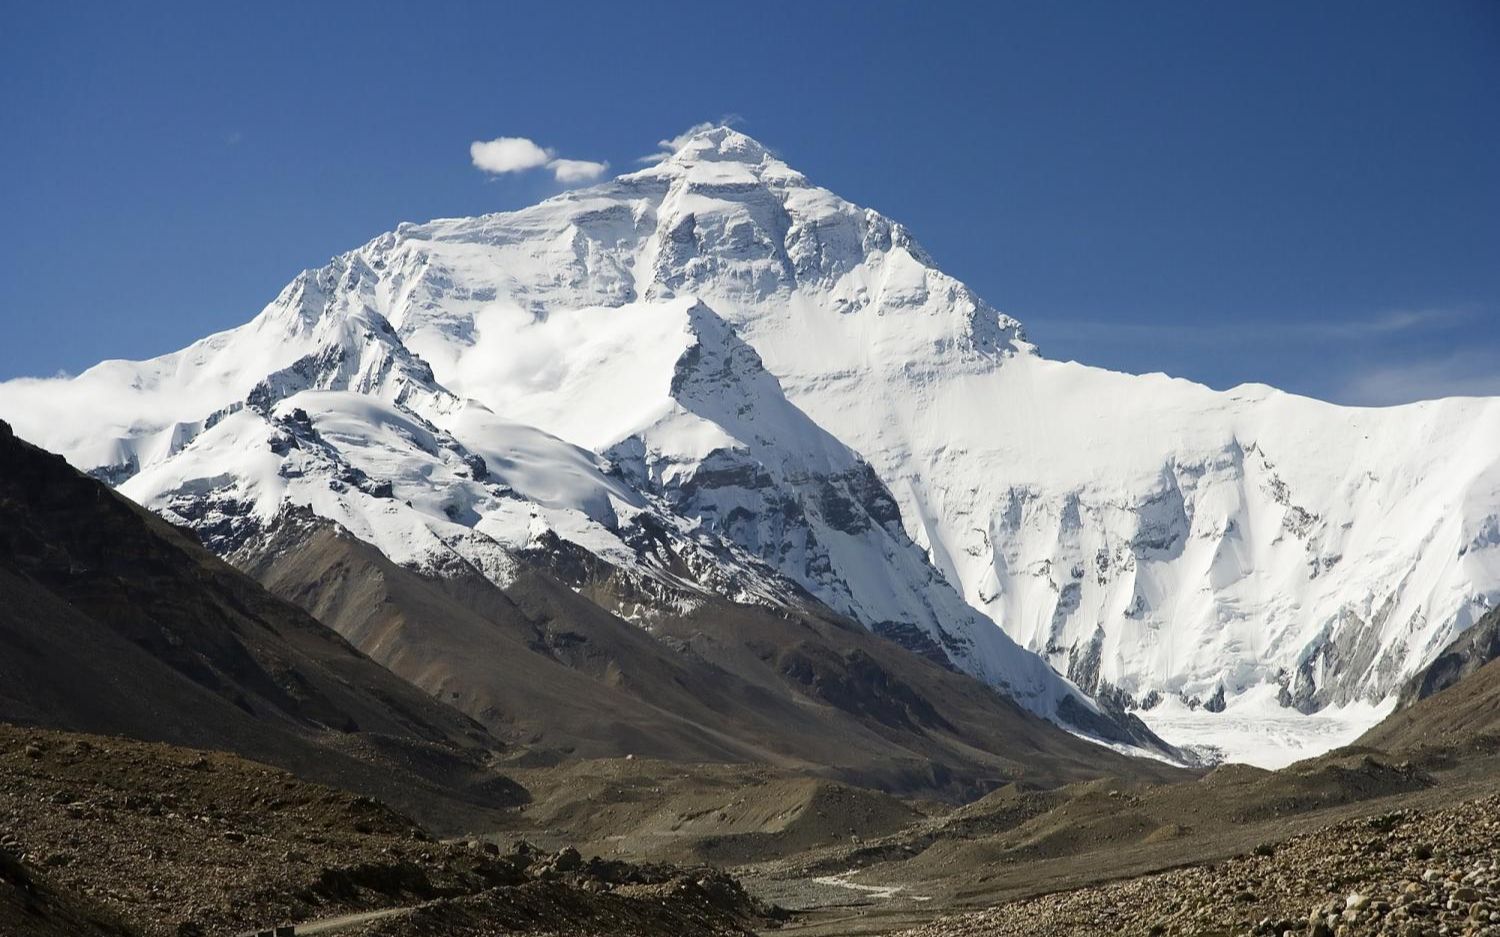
[{"x": 1303, "y": 194}]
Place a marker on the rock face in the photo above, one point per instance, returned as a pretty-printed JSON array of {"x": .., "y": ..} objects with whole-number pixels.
[
  {"x": 1468, "y": 653},
  {"x": 1463, "y": 716},
  {"x": 717, "y": 355}
]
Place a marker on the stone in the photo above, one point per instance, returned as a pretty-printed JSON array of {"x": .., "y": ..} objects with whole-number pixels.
[{"x": 568, "y": 860}]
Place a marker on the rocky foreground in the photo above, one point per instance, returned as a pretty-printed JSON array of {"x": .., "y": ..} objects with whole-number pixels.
[
  {"x": 1402, "y": 873},
  {"x": 107, "y": 836}
]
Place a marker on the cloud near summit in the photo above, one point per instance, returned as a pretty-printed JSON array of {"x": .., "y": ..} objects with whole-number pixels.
[
  {"x": 670, "y": 145},
  {"x": 518, "y": 154}
]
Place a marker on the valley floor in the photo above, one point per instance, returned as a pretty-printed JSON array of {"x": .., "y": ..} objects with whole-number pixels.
[
  {"x": 1239, "y": 851},
  {"x": 104, "y": 836},
  {"x": 1398, "y": 865}
]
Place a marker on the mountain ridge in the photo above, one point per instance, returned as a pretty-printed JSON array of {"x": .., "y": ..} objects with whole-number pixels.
[{"x": 548, "y": 664}]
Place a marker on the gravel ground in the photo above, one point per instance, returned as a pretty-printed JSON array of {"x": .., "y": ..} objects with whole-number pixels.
[
  {"x": 1403, "y": 873},
  {"x": 181, "y": 843}
]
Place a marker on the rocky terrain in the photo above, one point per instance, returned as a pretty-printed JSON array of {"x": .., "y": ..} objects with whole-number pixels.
[
  {"x": 1397, "y": 834},
  {"x": 32, "y": 905},
  {"x": 112, "y": 837},
  {"x": 153, "y": 840},
  {"x": 1406, "y": 872}
]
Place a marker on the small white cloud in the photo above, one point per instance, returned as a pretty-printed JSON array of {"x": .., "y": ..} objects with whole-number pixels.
[
  {"x": 519, "y": 154},
  {"x": 508, "y": 154},
  {"x": 576, "y": 170}
]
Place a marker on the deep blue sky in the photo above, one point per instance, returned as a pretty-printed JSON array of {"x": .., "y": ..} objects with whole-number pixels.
[{"x": 1305, "y": 194}]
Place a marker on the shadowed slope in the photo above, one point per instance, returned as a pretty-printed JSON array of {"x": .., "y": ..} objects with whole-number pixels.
[{"x": 116, "y": 622}]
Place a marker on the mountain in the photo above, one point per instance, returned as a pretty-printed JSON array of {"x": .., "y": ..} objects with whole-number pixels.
[
  {"x": 114, "y": 622},
  {"x": 717, "y": 377},
  {"x": 118, "y": 623},
  {"x": 544, "y": 665},
  {"x": 320, "y": 402}
]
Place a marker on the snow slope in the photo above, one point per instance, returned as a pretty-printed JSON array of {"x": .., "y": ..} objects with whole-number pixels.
[
  {"x": 694, "y": 435},
  {"x": 718, "y": 344}
]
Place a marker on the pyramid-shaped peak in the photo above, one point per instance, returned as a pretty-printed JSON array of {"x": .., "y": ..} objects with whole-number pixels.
[
  {"x": 717, "y": 155},
  {"x": 718, "y": 144}
]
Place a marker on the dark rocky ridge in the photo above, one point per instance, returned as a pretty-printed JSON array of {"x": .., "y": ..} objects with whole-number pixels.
[
  {"x": 115, "y": 622},
  {"x": 1472, "y": 650}
]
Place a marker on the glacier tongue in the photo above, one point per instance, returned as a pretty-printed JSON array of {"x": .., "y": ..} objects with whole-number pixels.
[{"x": 787, "y": 385}]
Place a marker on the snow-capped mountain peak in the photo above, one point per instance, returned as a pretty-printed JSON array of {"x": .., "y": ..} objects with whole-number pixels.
[
  {"x": 713, "y": 144},
  {"x": 789, "y": 386}
]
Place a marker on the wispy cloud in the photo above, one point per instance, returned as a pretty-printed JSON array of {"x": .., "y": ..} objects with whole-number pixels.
[
  {"x": 504, "y": 155},
  {"x": 1469, "y": 373},
  {"x": 1391, "y": 322},
  {"x": 1389, "y": 357},
  {"x": 1268, "y": 330}
]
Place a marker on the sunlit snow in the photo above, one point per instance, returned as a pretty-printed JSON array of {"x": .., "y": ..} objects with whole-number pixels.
[{"x": 1254, "y": 729}]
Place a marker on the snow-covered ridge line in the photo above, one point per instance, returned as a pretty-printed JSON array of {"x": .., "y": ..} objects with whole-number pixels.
[
  {"x": 358, "y": 430},
  {"x": 718, "y": 344}
]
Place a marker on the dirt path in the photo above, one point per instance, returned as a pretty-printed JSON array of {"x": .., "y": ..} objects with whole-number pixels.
[
  {"x": 842, "y": 880},
  {"x": 332, "y": 925}
]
